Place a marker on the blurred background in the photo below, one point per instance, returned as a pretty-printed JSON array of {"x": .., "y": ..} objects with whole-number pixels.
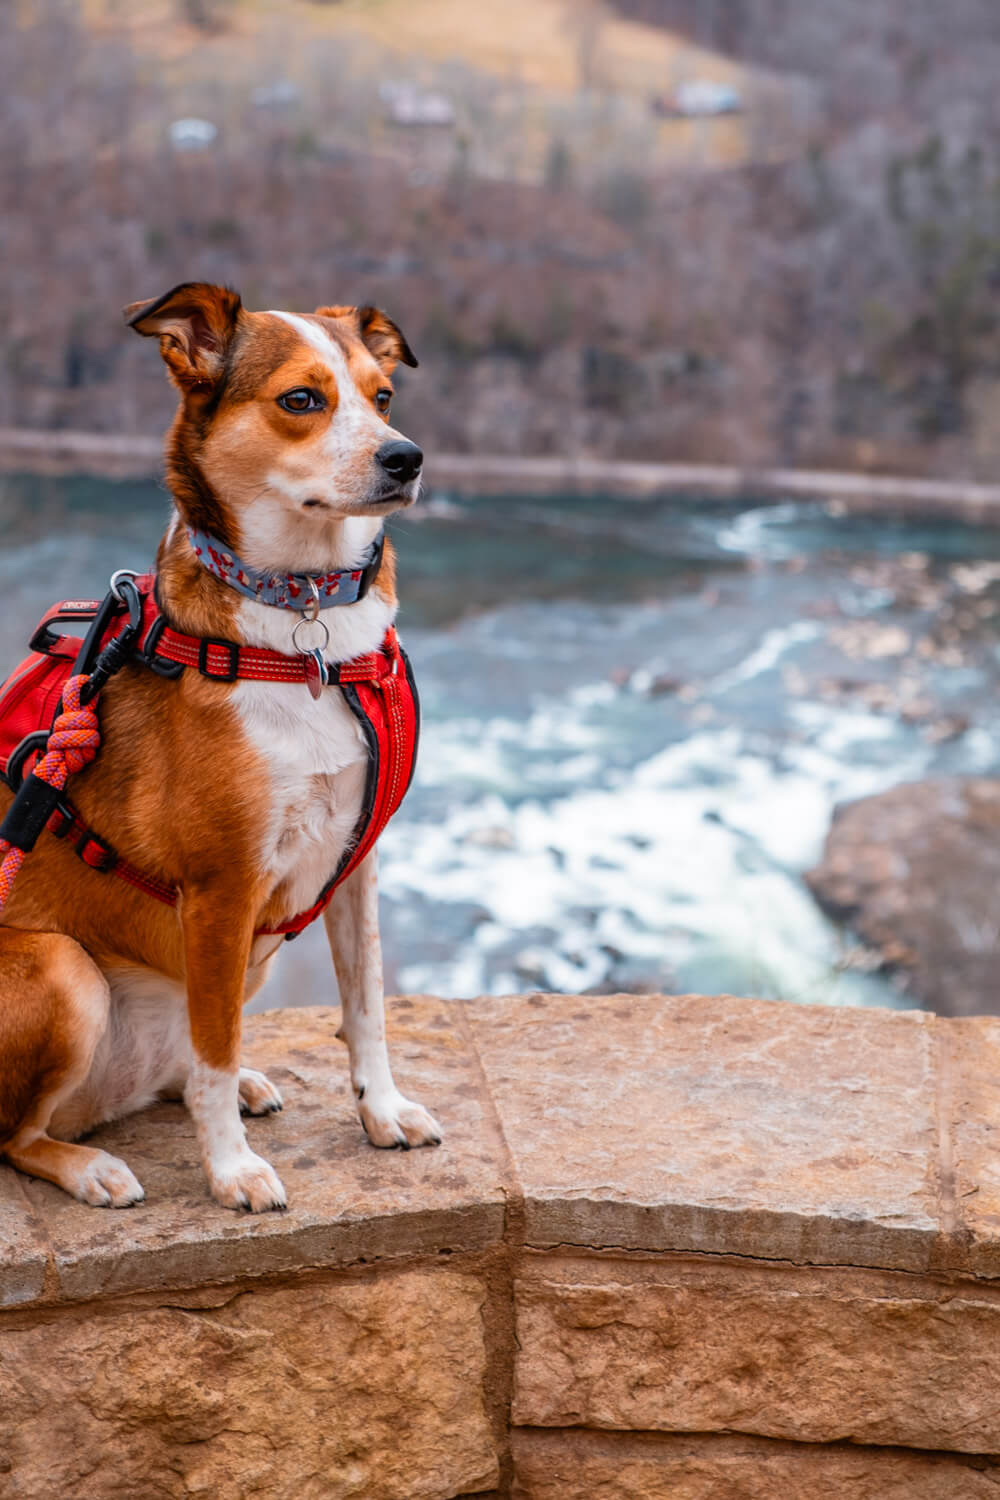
[{"x": 757, "y": 234}]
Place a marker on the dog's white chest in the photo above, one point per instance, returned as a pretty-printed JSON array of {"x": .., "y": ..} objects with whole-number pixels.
[
  {"x": 314, "y": 748},
  {"x": 317, "y": 759}
]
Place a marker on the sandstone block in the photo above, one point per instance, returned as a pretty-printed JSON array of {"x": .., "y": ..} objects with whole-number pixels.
[
  {"x": 348, "y": 1201},
  {"x": 349, "y": 1390},
  {"x": 569, "y": 1466},
  {"x": 814, "y": 1357},
  {"x": 971, "y": 1090},
  {"x": 765, "y": 1129},
  {"x": 23, "y": 1246}
]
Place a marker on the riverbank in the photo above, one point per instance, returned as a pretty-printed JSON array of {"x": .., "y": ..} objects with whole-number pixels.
[{"x": 36, "y": 451}]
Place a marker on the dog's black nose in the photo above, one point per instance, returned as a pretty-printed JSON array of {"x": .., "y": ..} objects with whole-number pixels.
[{"x": 400, "y": 460}]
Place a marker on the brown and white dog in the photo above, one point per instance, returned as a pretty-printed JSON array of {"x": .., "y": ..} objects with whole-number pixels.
[{"x": 243, "y": 795}]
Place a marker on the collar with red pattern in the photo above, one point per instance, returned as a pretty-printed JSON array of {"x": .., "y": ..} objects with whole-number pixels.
[{"x": 286, "y": 590}]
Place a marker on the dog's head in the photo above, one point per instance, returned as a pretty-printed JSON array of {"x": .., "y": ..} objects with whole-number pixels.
[{"x": 287, "y": 413}]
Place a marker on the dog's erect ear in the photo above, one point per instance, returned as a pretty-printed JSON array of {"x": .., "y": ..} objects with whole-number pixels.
[
  {"x": 194, "y": 324},
  {"x": 378, "y": 333}
]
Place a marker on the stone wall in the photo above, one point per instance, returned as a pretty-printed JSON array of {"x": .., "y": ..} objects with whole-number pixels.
[
  {"x": 704, "y": 1249},
  {"x": 27, "y": 450}
]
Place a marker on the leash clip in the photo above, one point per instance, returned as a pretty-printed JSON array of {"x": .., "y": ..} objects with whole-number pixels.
[{"x": 118, "y": 651}]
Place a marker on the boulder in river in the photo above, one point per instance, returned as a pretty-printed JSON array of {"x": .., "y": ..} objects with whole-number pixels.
[{"x": 916, "y": 873}]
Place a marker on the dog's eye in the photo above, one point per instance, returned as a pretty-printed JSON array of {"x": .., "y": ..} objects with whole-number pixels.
[
  {"x": 382, "y": 402},
  {"x": 301, "y": 399}
]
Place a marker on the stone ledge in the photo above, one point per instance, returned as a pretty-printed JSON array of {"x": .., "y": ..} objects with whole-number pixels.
[
  {"x": 349, "y": 1203},
  {"x": 722, "y": 1126},
  {"x": 808, "y": 1135},
  {"x": 682, "y": 1216},
  {"x": 569, "y": 1466}
]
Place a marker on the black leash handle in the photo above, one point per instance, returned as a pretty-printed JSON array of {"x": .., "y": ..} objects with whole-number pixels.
[{"x": 34, "y": 800}]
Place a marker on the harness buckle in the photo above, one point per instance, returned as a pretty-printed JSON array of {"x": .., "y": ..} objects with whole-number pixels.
[
  {"x": 61, "y": 821},
  {"x": 161, "y": 665},
  {"x": 231, "y": 672}
]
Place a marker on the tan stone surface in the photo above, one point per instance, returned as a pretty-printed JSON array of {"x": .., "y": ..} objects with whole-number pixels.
[
  {"x": 971, "y": 1099},
  {"x": 813, "y": 1357},
  {"x": 766, "y": 1129},
  {"x": 348, "y": 1202},
  {"x": 23, "y": 1249},
  {"x": 806, "y": 1134},
  {"x": 326, "y": 1390},
  {"x": 593, "y": 1466}
]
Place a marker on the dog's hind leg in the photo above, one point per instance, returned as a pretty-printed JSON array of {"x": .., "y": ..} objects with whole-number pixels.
[
  {"x": 53, "y": 1009},
  {"x": 351, "y": 919}
]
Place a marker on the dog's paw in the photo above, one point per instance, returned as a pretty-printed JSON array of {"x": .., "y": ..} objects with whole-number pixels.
[
  {"x": 258, "y": 1095},
  {"x": 392, "y": 1120},
  {"x": 248, "y": 1182},
  {"x": 107, "y": 1182}
]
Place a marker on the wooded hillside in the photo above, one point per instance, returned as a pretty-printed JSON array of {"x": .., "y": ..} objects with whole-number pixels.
[{"x": 817, "y": 287}]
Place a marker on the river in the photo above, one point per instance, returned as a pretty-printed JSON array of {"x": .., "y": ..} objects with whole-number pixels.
[{"x": 638, "y": 718}]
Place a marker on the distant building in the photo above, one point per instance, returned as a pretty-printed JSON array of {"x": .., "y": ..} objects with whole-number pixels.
[
  {"x": 277, "y": 95},
  {"x": 191, "y": 134},
  {"x": 698, "y": 98},
  {"x": 409, "y": 105}
]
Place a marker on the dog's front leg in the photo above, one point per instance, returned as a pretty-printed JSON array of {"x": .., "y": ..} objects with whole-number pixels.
[
  {"x": 218, "y": 932},
  {"x": 351, "y": 919}
]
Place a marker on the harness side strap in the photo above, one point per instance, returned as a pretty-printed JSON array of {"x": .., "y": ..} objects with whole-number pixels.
[{"x": 66, "y": 823}]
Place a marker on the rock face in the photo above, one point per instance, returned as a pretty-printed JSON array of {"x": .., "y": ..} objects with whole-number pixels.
[
  {"x": 571, "y": 1466},
  {"x": 784, "y": 1356},
  {"x": 346, "y": 1391},
  {"x": 916, "y": 872}
]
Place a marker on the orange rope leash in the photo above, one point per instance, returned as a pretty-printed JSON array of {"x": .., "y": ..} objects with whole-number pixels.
[{"x": 74, "y": 741}]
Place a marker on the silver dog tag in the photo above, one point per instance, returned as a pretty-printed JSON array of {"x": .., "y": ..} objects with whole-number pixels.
[{"x": 317, "y": 675}]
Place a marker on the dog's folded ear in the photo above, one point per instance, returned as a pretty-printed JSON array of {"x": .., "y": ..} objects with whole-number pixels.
[
  {"x": 378, "y": 333},
  {"x": 384, "y": 339},
  {"x": 194, "y": 323}
]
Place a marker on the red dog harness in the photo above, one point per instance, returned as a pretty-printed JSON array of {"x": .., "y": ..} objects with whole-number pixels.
[{"x": 378, "y": 688}]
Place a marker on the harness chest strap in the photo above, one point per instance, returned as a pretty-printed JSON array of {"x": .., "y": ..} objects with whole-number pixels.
[
  {"x": 388, "y": 710},
  {"x": 169, "y": 651},
  {"x": 378, "y": 688}
]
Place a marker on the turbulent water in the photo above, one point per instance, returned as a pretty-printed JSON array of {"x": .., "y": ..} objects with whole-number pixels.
[{"x": 638, "y": 717}]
